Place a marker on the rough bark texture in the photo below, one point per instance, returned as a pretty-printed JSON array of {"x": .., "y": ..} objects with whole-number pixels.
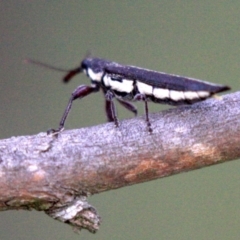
[{"x": 56, "y": 174}]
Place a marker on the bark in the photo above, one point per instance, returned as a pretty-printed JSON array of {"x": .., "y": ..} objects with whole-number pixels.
[{"x": 57, "y": 174}]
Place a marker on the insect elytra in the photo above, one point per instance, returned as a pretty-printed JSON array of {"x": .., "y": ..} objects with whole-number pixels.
[{"x": 129, "y": 83}]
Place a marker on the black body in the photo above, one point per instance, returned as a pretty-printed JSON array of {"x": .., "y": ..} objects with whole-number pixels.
[{"x": 130, "y": 83}]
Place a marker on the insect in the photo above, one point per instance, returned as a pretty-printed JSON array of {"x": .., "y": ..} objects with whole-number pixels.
[{"x": 130, "y": 83}]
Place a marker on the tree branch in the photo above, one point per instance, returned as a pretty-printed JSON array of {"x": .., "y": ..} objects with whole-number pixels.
[{"x": 56, "y": 174}]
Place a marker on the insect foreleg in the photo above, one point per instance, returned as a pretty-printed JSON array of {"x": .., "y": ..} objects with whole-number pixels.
[
  {"x": 142, "y": 97},
  {"x": 79, "y": 92}
]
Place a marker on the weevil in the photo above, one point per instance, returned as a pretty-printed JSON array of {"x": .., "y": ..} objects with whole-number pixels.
[{"x": 130, "y": 83}]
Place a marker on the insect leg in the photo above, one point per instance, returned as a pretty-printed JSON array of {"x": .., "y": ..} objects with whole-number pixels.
[
  {"x": 109, "y": 111},
  {"x": 79, "y": 92},
  {"x": 125, "y": 104},
  {"x": 142, "y": 97},
  {"x": 147, "y": 117},
  {"x": 128, "y": 106},
  {"x": 110, "y": 108}
]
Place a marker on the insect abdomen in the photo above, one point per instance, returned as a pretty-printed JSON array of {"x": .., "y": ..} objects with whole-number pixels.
[{"x": 175, "y": 97}]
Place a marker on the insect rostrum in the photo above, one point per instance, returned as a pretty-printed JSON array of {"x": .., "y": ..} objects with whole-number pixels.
[{"x": 130, "y": 83}]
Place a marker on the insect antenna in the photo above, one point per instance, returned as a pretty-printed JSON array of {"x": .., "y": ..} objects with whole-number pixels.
[
  {"x": 73, "y": 72},
  {"x": 70, "y": 73},
  {"x": 45, "y": 65}
]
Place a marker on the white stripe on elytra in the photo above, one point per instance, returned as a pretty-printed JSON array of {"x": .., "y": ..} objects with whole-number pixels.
[
  {"x": 161, "y": 93},
  {"x": 176, "y": 95},
  {"x": 94, "y": 76},
  {"x": 203, "y": 94},
  {"x": 107, "y": 80},
  {"x": 190, "y": 95},
  {"x": 144, "y": 88},
  {"x": 125, "y": 85}
]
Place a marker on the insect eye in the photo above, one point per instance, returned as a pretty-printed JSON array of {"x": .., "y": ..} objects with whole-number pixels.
[{"x": 84, "y": 65}]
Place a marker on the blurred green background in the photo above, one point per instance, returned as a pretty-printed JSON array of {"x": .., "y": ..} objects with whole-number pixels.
[{"x": 200, "y": 39}]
